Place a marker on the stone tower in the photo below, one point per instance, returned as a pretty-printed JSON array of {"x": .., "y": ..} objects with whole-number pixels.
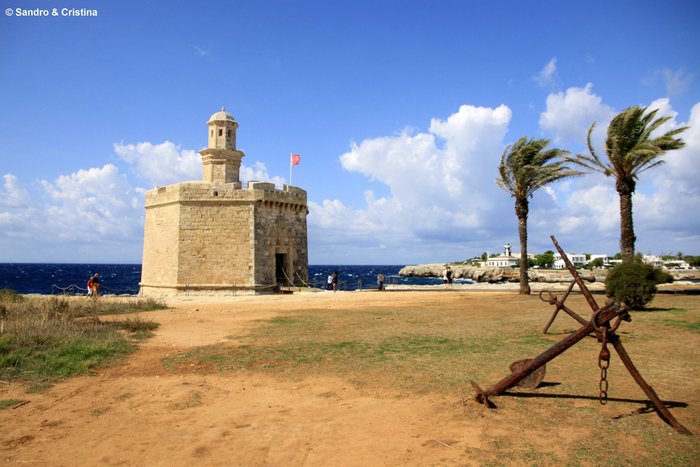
[
  {"x": 221, "y": 160},
  {"x": 215, "y": 237}
]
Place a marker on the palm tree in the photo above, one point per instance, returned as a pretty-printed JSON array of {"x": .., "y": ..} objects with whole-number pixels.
[
  {"x": 525, "y": 167},
  {"x": 631, "y": 150}
]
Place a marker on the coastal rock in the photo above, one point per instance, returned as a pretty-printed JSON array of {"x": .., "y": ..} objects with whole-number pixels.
[
  {"x": 477, "y": 274},
  {"x": 495, "y": 274},
  {"x": 492, "y": 274}
]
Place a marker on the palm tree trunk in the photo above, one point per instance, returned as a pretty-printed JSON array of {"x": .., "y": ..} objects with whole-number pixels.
[
  {"x": 521, "y": 210},
  {"x": 627, "y": 237}
]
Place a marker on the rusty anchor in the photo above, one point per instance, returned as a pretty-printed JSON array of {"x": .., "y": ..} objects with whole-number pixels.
[{"x": 530, "y": 372}]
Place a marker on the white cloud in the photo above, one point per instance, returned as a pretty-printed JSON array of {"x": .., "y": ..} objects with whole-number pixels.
[
  {"x": 683, "y": 165},
  {"x": 258, "y": 172},
  {"x": 160, "y": 164},
  {"x": 441, "y": 185},
  {"x": 13, "y": 194},
  {"x": 547, "y": 77},
  {"x": 17, "y": 214},
  {"x": 663, "y": 109},
  {"x": 166, "y": 163},
  {"x": 592, "y": 208},
  {"x": 670, "y": 209},
  {"x": 200, "y": 51},
  {"x": 569, "y": 114},
  {"x": 663, "y": 205},
  {"x": 98, "y": 202},
  {"x": 676, "y": 82},
  {"x": 443, "y": 203},
  {"x": 94, "y": 214}
]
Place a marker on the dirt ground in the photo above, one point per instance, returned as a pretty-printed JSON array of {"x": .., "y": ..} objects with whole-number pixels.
[{"x": 138, "y": 413}]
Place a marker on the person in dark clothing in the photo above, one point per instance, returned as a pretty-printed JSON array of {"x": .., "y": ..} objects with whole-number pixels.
[{"x": 380, "y": 281}]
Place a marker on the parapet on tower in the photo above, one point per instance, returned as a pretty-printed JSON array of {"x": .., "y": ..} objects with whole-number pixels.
[{"x": 215, "y": 237}]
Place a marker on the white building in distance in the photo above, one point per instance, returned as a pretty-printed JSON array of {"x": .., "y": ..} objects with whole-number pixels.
[
  {"x": 576, "y": 259},
  {"x": 506, "y": 260}
]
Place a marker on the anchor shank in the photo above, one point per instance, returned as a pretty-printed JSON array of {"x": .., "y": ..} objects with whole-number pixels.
[
  {"x": 584, "y": 290},
  {"x": 661, "y": 409}
]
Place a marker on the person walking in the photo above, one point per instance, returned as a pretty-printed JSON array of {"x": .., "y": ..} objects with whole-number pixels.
[
  {"x": 380, "y": 281},
  {"x": 94, "y": 285}
]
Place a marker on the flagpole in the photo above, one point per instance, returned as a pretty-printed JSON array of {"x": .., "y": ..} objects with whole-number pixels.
[{"x": 290, "y": 169}]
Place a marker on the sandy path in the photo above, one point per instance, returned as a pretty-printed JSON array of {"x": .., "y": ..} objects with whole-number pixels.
[{"x": 138, "y": 414}]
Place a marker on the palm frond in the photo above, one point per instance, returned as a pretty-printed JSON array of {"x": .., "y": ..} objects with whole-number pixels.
[
  {"x": 527, "y": 166},
  {"x": 591, "y": 161},
  {"x": 629, "y": 146}
]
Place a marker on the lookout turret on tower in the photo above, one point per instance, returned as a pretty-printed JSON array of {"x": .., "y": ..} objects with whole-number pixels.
[{"x": 221, "y": 161}]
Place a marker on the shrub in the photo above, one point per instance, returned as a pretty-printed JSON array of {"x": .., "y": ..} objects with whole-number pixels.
[
  {"x": 10, "y": 296},
  {"x": 634, "y": 282}
]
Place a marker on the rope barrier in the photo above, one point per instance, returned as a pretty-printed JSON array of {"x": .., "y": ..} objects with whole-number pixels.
[
  {"x": 303, "y": 282},
  {"x": 70, "y": 290},
  {"x": 75, "y": 290}
]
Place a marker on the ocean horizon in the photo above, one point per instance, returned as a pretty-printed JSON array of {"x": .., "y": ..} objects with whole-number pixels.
[{"x": 123, "y": 279}]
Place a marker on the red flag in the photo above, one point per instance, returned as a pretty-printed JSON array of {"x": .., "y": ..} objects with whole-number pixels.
[{"x": 296, "y": 159}]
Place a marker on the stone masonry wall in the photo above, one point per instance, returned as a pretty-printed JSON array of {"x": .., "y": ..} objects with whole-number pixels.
[
  {"x": 160, "y": 245},
  {"x": 280, "y": 229},
  {"x": 203, "y": 237},
  {"x": 215, "y": 241}
]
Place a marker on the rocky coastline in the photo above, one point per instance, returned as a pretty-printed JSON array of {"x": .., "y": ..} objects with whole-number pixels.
[{"x": 496, "y": 274}]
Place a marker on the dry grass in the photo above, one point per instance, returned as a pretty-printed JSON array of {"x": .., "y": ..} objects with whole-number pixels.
[
  {"x": 43, "y": 338},
  {"x": 415, "y": 349}
]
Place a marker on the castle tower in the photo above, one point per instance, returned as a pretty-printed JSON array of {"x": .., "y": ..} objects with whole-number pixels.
[
  {"x": 220, "y": 159},
  {"x": 212, "y": 236}
]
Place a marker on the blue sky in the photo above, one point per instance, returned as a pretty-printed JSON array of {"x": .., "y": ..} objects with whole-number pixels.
[{"x": 399, "y": 109}]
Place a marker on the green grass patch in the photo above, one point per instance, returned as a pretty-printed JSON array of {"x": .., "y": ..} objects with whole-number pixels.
[
  {"x": 57, "y": 359},
  {"x": 693, "y": 326},
  {"x": 373, "y": 346},
  {"x": 138, "y": 328},
  {"x": 7, "y": 403},
  {"x": 43, "y": 339}
]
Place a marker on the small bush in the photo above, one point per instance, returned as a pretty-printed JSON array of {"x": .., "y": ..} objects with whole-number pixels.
[
  {"x": 634, "y": 282},
  {"x": 10, "y": 296}
]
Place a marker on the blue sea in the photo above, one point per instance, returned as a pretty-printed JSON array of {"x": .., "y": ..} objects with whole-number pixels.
[{"x": 121, "y": 279}]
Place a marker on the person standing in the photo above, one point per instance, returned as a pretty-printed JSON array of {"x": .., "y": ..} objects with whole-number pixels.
[
  {"x": 447, "y": 277},
  {"x": 95, "y": 285},
  {"x": 329, "y": 282},
  {"x": 380, "y": 281},
  {"x": 335, "y": 281}
]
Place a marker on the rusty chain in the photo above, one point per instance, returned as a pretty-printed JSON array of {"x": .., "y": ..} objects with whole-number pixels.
[
  {"x": 603, "y": 364},
  {"x": 604, "y": 355}
]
